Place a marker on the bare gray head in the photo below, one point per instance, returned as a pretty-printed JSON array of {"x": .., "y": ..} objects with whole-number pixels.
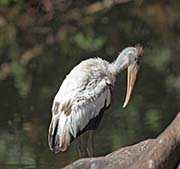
[{"x": 128, "y": 58}]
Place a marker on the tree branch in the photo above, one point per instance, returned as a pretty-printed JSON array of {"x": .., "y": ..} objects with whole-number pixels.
[{"x": 162, "y": 153}]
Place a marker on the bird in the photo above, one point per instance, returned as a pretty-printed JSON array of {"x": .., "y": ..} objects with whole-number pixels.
[{"x": 84, "y": 96}]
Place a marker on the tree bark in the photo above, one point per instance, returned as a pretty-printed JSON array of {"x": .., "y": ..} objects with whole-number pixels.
[{"x": 162, "y": 152}]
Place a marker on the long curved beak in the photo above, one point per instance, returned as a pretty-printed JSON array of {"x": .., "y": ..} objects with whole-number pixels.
[{"x": 131, "y": 78}]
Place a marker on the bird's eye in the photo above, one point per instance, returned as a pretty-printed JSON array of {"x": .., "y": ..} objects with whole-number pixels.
[{"x": 137, "y": 60}]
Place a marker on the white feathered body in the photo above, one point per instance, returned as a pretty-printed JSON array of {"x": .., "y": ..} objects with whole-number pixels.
[{"x": 84, "y": 92}]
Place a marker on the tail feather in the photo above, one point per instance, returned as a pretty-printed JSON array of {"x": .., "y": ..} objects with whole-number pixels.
[{"x": 63, "y": 132}]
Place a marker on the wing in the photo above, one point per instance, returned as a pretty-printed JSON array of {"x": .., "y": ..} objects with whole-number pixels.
[
  {"x": 87, "y": 106},
  {"x": 74, "y": 117}
]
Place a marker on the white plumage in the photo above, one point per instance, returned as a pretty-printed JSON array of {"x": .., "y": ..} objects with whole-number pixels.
[{"x": 85, "y": 91}]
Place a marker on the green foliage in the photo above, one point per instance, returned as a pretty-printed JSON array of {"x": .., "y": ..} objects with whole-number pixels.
[
  {"x": 8, "y": 3},
  {"x": 89, "y": 42}
]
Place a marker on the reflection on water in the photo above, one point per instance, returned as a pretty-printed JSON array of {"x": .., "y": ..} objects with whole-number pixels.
[{"x": 40, "y": 43}]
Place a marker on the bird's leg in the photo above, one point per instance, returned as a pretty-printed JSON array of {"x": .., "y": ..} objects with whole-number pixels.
[
  {"x": 90, "y": 144},
  {"x": 80, "y": 146}
]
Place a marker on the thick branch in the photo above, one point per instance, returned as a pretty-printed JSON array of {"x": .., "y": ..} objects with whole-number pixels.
[{"x": 162, "y": 153}]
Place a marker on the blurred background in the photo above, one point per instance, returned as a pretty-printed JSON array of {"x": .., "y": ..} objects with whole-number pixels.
[{"x": 40, "y": 42}]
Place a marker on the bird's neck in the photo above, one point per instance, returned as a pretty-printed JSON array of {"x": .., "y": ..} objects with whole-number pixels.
[{"x": 119, "y": 64}]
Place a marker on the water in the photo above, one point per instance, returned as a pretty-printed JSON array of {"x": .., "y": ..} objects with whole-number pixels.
[{"x": 37, "y": 50}]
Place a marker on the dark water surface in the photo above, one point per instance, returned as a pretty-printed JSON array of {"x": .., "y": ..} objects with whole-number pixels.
[{"x": 39, "y": 45}]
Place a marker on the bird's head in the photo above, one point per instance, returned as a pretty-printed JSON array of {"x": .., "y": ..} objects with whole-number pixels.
[{"x": 130, "y": 58}]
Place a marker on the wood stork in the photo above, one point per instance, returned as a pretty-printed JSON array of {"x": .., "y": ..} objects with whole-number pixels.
[{"x": 84, "y": 96}]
